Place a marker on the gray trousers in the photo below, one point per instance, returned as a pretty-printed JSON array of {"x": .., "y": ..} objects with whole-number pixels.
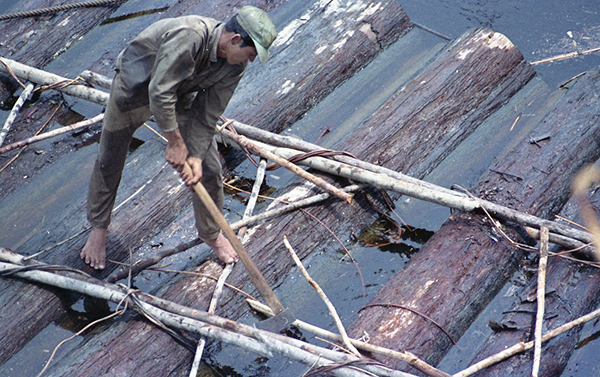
[{"x": 117, "y": 131}]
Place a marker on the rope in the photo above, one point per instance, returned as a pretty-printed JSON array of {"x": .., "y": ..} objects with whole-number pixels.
[{"x": 58, "y": 8}]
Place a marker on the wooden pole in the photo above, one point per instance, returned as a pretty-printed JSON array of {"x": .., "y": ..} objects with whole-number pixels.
[{"x": 15, "y": 110}]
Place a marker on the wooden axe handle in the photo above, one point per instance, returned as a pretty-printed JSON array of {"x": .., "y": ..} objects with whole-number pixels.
[{"x": 255, "y": 275}]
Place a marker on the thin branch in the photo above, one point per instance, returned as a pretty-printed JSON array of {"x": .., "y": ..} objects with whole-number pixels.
[
  {"x": 15, "y": 110},
  {"x": 323, "y": 296},
  {"x": 541, "y": 293}
]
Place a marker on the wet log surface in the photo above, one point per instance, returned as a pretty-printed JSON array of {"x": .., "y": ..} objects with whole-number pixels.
[
  {"x": 572, "y": 290},
  {"x": 264, "y": 243},
  {"x": 466, "y": 262},
  {"x": 162, "y": 197}
]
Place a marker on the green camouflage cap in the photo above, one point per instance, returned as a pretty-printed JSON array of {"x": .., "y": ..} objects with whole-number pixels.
[{"x": 259, "y": 27}]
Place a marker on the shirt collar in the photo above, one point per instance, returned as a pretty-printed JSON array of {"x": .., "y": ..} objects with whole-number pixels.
[{"x": 214, "y": 38}]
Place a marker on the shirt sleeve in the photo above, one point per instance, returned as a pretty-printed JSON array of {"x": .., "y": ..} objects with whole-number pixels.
[
  {"x": 175, "y": 62},
  {"x": 208, "y": 106}
]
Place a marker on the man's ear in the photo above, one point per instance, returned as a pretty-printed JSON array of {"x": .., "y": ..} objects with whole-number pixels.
[{"x": 236, "y": 39}]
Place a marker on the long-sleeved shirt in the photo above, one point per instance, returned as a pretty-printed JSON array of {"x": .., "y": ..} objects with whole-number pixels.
[{"x": 173, "y": 64}]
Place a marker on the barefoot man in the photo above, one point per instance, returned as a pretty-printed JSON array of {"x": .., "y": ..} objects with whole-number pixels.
[{"x": 183, "y": 71}]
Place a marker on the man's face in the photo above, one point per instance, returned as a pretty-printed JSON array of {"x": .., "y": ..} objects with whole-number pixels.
[{"x": 241, "y": 55}]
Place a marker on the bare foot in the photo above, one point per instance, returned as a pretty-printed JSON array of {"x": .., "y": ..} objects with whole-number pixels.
[
  {"x": 94, "y": 251},
  {"x": 222, "y": 247}
]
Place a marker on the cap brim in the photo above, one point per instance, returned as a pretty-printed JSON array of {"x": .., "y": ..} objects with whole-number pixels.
[{"x": 263, "y": 53}]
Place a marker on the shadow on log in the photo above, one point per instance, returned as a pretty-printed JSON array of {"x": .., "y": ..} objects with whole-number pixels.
[{"x": 466, "y": 262}]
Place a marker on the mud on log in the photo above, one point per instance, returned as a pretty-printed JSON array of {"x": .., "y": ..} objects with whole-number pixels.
[
  {"x": 572, "y": 291},
  {"x": 303, "y": 233},
  {"x": 125, "y": 231},
  {"x": 466, "y": 262}
]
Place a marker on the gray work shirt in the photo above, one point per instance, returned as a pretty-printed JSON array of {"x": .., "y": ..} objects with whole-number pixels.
[{"x": 173, "y": 66}]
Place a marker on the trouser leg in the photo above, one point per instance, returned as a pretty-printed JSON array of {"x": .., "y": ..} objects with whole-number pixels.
[
  {"x": 117, "y": 131},
  {"x": 212, "y": 181}
]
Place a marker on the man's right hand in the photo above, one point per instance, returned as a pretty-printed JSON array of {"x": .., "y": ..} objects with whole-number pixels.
[{"x": 176, "y": 151}]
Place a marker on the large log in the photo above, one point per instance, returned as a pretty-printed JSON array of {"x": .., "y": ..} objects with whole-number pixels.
[
  {"x": 572, "y": 290},
  {"x": 163, "y": 197},
  {"x": 264, "y": 242},
  {"x": 466, "y": 262}
]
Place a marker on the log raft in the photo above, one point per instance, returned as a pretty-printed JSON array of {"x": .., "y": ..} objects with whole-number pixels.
[
  {"x": 467, "y": 261},
  {"x": 138, "y": 220},
  {"x": 265, "y": 244}
]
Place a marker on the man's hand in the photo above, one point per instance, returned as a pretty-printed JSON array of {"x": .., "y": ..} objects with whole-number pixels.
[
  {"x": 176, "y": 151},
  {"x": 196, "y": 166}
]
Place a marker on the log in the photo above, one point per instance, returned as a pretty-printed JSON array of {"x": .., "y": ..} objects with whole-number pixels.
[
  {"x": 265, "y": 245},
  {"x": 466, "y": 262},
  {"x": 576, "y": 292}
]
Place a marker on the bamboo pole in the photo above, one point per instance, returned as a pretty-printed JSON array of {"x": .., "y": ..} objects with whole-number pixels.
[
  {"x": 541, "y": 293},
  {"x": 203, "y": 323},
  {"x": 405, "y": 356},
  {"x": 41, "y": 77},
  {"x": 328, "y": 303},
  {"x": 15, "y": 110},
  {"x": 47, "y": 135}
]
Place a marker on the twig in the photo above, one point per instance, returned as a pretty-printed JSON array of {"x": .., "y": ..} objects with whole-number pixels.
[
  {"x": 323, "y": 296},
  {"x": 15, "y": 110},
  {"x": 12, "y": 73},
  {"x": 565, "y": 56},
  {"x": 47, "y": 135},
  {"x": 415, "y": 312},
  {"x": 541, "y": 293},
  {"x": 521, "y": 347}
]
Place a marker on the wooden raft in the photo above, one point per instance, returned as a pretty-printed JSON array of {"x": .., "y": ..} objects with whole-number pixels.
[{"x": 304, "y": 234}]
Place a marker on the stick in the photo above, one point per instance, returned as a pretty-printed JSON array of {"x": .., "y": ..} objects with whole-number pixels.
[
  {"x": 541, "y": 293},
  {"x": 565, "y": 56},
  {"x": 15, "y": 110},
  {"x": 260, "y": 175},
  {"x": 96, "y": 79},
  {"x": 47, "y": 135},
  {"x": 521, "y": 347},
  {"x": 405, "y": 356},
  {"x": 332, "y": 311},
  {"x": 244, "y": 142}
]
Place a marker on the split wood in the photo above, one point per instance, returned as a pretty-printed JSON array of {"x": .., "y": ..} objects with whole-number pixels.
[
  {"x": 15, "y": 110},
  {"x": 330, "y": 307},
  {"x": 260, "y": 175},
  {"x": 541, "y": 293},
  {"x": 203, "y": 323},
  {"x": 47, "y": 135}
]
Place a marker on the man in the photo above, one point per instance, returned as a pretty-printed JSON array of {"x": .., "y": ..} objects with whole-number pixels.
[{"x": 183, "y": 71}]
